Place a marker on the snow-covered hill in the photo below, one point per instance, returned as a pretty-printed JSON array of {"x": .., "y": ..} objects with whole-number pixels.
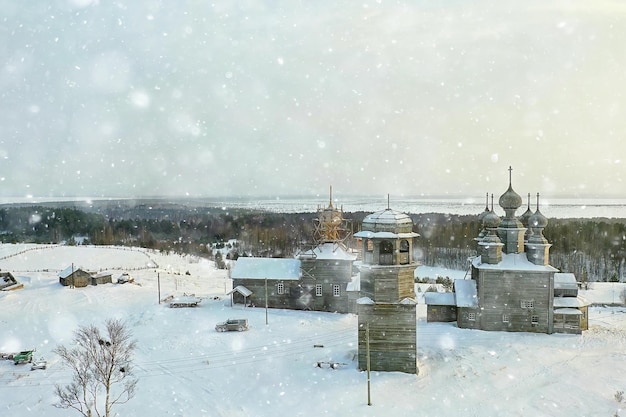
[{"x": 185, "y": 368}]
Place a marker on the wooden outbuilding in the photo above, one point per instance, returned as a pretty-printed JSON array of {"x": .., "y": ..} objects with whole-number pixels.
[
  {"x": 440, "y": 306},
  {"x": 74, "y": 277},
  {"x": 102, "y": 278},
  {"x": 571, "y": 311}
]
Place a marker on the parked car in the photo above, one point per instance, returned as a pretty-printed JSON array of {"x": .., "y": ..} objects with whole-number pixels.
[
  {"x": 232, "y": 324},
  {"x": 40, "y": 363},
  {"x": 23, "y": 356}
]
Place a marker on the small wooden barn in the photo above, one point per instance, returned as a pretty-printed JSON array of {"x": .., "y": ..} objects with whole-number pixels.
[
  {"x": 74, "y": 277},
  {"x": 440, "y": 306},
  {"x": 570, "y": 309},
  {"x": 101, "y": 278},
  {"x": 272, "y": 280}
]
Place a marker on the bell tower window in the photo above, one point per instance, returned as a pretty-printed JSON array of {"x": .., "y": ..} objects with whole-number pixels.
[
  {"x": 386, "y": 253},
  {"x": 404, "y": 252}
]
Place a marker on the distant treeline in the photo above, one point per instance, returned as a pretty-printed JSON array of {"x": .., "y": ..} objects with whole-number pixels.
[{"x": 593, "y": 249}]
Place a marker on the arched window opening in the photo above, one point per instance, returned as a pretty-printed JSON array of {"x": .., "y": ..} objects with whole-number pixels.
[
  {"x": 404, "y": 252},
  {"x": 386, "y": 253},
  {"x": 369, "y": 251}
]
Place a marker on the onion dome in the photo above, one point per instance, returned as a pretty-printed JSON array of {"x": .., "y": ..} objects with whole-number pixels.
[
  {"x": 538, "y": 220},
  {"x": 524, "y": 217},
  {"x": 482, "y": 215},
  {"x": 387, "y": 221},
  {"x": 510, "y": 200},
  {"x": 491, "y": 220}
]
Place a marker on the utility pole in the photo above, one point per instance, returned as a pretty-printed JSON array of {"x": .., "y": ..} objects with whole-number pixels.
[
  {"x": 367, "y": 353},
  {"x": 159, "y": 286}
]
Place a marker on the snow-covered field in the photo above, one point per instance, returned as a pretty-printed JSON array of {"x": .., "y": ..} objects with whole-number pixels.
[{"x": 185, "y": 368}]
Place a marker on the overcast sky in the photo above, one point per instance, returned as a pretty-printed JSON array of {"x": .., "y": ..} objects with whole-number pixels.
[{"x": 271, "y": 98}]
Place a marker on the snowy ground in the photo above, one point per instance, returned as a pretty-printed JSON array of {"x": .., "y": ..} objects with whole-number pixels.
[{"x": 185, "y": 368}]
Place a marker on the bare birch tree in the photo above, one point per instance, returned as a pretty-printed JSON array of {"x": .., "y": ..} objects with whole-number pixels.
[{"x": 101, "y": 370}]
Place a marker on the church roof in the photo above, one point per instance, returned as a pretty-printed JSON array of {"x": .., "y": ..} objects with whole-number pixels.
[
  {"x": 388, "y": 220},
  {"x": 512, "y": 262},
  {"x": 328, "y": 250}
]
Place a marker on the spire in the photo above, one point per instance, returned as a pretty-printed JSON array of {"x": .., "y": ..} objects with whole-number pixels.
[
  {"x": 538, "y": 247},
  {"x": 330, "y": 204},
  {"x": 524, "y": 218},
  {"x": 510, "y": 176}
]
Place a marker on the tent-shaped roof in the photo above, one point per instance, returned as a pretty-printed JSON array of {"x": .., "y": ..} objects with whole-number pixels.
[{"x": 266, "y": 268}]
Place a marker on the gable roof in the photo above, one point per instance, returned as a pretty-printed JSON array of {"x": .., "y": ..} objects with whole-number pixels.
[
  {"x": 241, "y": 290},
  {"x": 266, "y": 268},
  {"x": 69, "y": 271},
  {"x": 440, "y": 298}
]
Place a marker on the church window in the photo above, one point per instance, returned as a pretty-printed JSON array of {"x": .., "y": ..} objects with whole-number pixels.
[
  {"x": 318, "y": 290},
  {"x": 336, "y": 290}
]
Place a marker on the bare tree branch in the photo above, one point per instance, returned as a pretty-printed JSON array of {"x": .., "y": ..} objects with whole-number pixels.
[{"x": 100, "y": 364}]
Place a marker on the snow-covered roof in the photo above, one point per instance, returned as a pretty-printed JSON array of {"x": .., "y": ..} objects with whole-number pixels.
[
  {"x": 328, "y": 250},
  {"x": 440, "y": 298},
  {"x": 568, "y": 311},
  {"x": 365, "y": 300},
  {"x": 69, "y": 271},
  {"x": 466, "y": 294},
  {"x": 571, "y": 302},
  {"x": 354, "y": 284},
  {"x": 241, "y": 290},
  {"x": 513, "y": 262},
  {"x": 262, "y": 268},
  {"x": 385, "y": 235},
  {"x": 565, "y": 281}
]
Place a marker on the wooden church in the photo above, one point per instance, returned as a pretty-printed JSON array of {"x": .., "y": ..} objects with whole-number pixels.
[
  {"x": 327, "y": 268},
  {"x": 513, "y": 286}
]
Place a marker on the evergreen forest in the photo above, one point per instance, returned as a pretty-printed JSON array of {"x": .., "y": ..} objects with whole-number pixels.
[{"x": 592, "y": 249}]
